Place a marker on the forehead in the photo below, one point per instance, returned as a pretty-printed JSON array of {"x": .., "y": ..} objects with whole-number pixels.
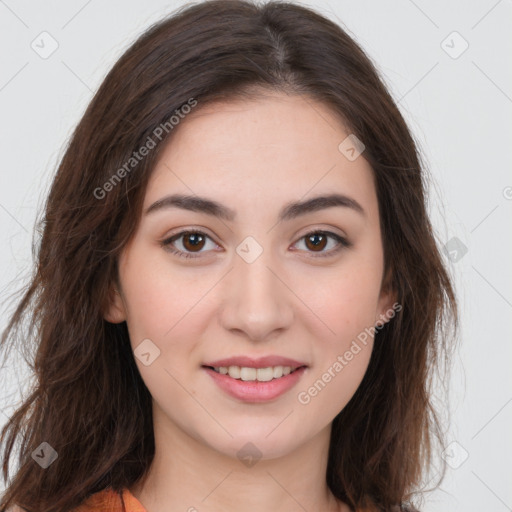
[
  {"x": 278, "y": 145},
  {"x": 271, "y": 124}
]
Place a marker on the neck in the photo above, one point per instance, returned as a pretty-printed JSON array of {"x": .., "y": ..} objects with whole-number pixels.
[{"x": 187, "y": 474}]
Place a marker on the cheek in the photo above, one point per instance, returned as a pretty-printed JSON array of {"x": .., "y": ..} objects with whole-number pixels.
[
  {"x": 341, "y": 358},
  {"x": 327, "y": 393},
  {"x": 168, "y": 307},
  {"x": 346, "y": 298},
  {"x": 158, "y": 298}
]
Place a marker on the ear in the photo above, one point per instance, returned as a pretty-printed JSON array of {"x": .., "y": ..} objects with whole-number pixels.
[
  {"x": 115, "y": 309},
  {"x": 388, "y": 305}
]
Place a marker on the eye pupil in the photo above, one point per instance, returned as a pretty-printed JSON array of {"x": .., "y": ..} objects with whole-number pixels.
[
  {"x": 196, "y": 238},
  {"x": 316, "y": 245}
]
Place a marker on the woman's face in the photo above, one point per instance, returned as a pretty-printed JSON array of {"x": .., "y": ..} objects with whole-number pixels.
[{"x": 254, "y": 285}]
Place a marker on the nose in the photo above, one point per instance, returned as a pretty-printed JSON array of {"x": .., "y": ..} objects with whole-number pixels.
[{"x": 257, "y": 301}]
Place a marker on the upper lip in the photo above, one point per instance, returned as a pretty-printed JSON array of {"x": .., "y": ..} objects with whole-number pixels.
[{"x": 260, "y": 362}]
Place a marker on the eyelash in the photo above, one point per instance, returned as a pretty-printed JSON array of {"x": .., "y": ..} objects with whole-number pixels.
[{"x": 166, "y": 244}]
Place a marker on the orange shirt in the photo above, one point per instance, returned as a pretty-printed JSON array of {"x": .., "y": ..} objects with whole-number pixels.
[{"x": 109, "y": 501}]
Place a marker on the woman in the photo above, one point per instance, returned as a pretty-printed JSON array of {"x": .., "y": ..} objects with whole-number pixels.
[{"x": 239, "y": 302}]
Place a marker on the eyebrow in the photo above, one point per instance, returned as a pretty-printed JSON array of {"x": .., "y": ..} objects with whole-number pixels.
[{"x": 288, "y": 212}]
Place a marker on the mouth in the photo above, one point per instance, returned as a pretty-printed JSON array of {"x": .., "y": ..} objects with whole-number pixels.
[
  {"x": 255, "y": 385},
  {"x": 249, "y": 374}
]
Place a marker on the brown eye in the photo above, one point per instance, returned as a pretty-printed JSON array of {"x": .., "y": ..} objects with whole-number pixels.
[
  {"x": 193, "y": 241},
  {"x": 316, "y": 241}
]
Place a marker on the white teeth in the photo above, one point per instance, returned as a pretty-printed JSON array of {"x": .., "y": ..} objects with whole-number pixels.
[
  {"x": 234, "y": 371},
  {"x": 265, "y": 374},
  {"x": 247, "y": 373},
  {"x": 250, "y": 374},
  {"x": 278, "y": 372}
]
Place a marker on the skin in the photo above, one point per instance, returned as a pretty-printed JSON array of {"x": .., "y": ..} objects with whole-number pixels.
[{"x": 254, "y": 157}]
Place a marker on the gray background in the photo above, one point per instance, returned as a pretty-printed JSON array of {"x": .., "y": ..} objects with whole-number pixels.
[{"x": 458, "y": 105}]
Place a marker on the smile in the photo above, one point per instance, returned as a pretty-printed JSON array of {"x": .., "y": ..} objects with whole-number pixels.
[
  {"x": 260, "y": 374},
  {"x": 255, "y": 384}
]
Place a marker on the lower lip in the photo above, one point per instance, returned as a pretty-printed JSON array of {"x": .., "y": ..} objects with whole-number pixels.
[{"x": 255, "y": 391}]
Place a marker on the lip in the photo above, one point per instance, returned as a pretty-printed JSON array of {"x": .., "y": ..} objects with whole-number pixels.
[
  {"x": 260, "y": 362},
  {"x": 255, "y": 391}
]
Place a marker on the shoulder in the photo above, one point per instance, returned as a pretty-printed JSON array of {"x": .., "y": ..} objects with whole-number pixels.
[
  {"x": 106, "y": 500},
  {"x": 109, "y": 500}
]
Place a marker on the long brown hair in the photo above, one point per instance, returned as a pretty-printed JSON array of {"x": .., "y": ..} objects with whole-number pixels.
[{"x": 88, "y": 401}]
